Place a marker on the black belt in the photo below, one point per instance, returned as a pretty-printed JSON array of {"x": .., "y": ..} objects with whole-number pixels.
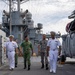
[
  {"x": 53, "y": 49},
  {"x": 10, "y": 51}
]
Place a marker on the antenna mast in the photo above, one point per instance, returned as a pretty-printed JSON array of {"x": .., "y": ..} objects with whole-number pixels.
[{"x": 10, "y": 4}]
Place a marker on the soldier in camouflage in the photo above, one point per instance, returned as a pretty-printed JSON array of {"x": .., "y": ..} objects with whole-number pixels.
[
  {"x": 42, "y": 49},
  {"x": 27, "y": 47}
]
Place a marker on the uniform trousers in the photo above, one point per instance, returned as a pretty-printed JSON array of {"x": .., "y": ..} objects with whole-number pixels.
[
  {"x": 53, "y": 55},
  {"x": 44, "y": 55},
  {"x": 11, "y": 59},
  {"x": 27, "y": 58}
]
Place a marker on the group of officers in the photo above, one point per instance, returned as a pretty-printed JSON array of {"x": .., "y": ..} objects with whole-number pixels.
[{"x": 47, "y": 48}]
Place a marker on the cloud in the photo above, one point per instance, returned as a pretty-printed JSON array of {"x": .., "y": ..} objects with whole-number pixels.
[
  {"x": 51, "y": 9},
  {"x": 59, "y": 26}
]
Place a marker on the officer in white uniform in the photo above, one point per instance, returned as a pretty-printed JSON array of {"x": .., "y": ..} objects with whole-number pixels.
[
  {"x": 52, "y": 46},
  {"x": 10, "y": 46}
]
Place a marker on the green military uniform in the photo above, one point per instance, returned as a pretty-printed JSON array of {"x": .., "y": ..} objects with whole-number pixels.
[
  {"x": 43, "y": 52},
  {"x": 27, "y": 46}
]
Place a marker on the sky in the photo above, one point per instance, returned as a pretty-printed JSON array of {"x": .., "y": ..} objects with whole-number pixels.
[{"x": 53, "y": 14}]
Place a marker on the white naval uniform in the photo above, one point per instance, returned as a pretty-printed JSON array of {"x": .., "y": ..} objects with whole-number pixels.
[
  {"x": 10, "y": 46},
  {"x": 53, "y": 53}
]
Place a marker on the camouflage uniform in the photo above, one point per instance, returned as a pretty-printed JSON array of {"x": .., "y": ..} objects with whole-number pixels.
[
  {"x": 43, "y": 52},
  {"x": 27, "y": 46}
]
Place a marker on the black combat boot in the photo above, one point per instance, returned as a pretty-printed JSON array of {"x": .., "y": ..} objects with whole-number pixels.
[
  {"x": 28, "y": 67},
  {"x": 15, "y": 64},
  {"x": 46, "y": 66},
  {"x": 25, "y": 66},
  {"x": 42, "y": 66}
]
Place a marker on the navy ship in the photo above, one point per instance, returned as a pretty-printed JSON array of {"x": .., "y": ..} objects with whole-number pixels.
[{"x": 20, "y": 24}]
